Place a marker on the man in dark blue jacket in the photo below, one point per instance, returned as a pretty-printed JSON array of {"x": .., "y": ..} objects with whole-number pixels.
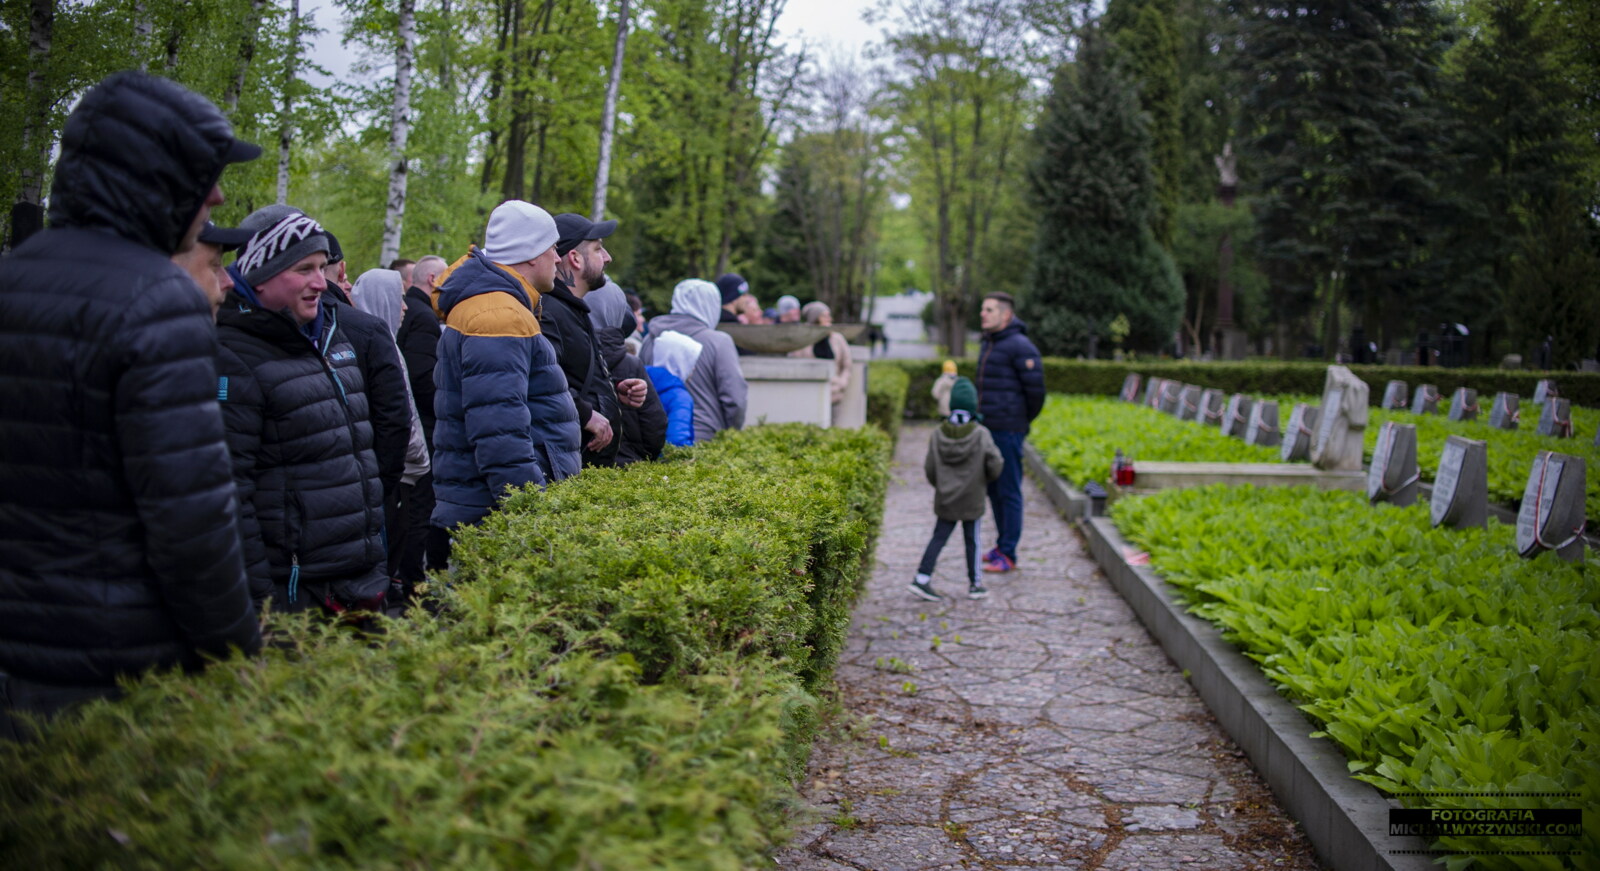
[
  {"x": 1010, "y": 395},
  {"x": 119, "y": 547}
]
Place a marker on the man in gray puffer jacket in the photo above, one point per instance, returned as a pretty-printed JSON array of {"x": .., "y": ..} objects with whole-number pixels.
[
  {"x": 962, "y": 460},
  {"x": 716, "y": 382}
]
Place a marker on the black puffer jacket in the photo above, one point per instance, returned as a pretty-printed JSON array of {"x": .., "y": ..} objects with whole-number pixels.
[
  {"x": 1010, "y": 379},
  {"x": 564, "y": 318},
  {"x": 418, "y": 339},
  {"x": 311, "y": 500},
  {"x": 388, "y": 405},
  {"x": 118, "y": 544},
  {"x": 644, "y": 429}
]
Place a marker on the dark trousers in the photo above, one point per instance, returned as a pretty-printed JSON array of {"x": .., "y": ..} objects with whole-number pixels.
[
  {"x": 44, "y": 701},
  {"x": 941, "y": 534},
  {"x": 408, "y": 534},
  {"x": 1005, "y": 492},
  {"x": 438, "y": 549}
]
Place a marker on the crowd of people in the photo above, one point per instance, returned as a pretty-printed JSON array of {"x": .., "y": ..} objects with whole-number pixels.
[{"x": 175, "y": 462}]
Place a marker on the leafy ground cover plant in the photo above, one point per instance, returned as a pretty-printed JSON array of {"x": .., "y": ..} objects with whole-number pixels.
[
  {"x": 1078, "y": 435},
  {"x": 538, "y": 717},
  {"x": 1436, "y": 658}
]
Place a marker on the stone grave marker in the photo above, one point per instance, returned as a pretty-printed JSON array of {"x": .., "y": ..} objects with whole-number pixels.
[
  {"x": 1130, "y": 388},
  {"x": 1152, "y": 393},
  {"x": 1425, "y": 400},
  {"x": 1543, "y": 391},
  {"x": 1552, "y": 515},
  {"x": 1212, "y": 406},
  {"x": 1393, "y": 475},
  {"x": 1189, "y": 402},
  {"x": 1150, "y": 388},
  {"x": 1169, "y": 396},
  {"x": 1464, "y": 404},
  {"x": 1342, "y": 423},
  {"x": 1461, "y": 488},
  {"x": 1555, "y": 418},
  {"x": 1263, "y": 426},
  {"x": 1394, "y": 396},
  {"x": 1237, "y": 416},
  {"x": 1504, "y": 414},
  {"x": 1297, "y": 433}
]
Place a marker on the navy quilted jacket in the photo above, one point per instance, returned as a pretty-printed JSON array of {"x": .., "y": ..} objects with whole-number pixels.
[{"x": 1010, "y": 379}]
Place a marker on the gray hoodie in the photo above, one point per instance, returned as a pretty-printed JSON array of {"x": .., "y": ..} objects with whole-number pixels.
[
  {"x": 717, "y": 383},
  {"x": 962, "y": 460}
]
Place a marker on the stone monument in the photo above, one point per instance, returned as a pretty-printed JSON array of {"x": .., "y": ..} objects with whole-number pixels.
[
  {"x": 1552, "y": 515},
  {"x": 1130, "y": 388},
  {"x": 1504, "y": 414},
  {"x": 1393, "y": 475},
  {"x": 1461, "y": 488},
  {"x": 1298, "y": 432},
  {"x": 1263, "y": 426},
  {"x": 1152, "y": 392},
  {"x": 1212, "y": 407},
  {"x": 1425, "y": 400},
  {"x": 1169, "y": 396},
  {"x": 1464, "y": 404},
  {"x": 1342, "y": 422},
  {"x": 1544, "y": 390},
  {"x": 1189, "y": 402},
  {"x": 1237, "y": 416},
  {"x": 1555, "y": 418},
  {"x": 1394, "y": 396}
]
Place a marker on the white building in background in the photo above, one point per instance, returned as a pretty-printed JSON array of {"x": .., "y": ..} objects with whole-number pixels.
[{"x": 901, "y": 315}]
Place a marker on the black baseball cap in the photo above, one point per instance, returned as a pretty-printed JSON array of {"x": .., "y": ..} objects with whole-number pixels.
[
  {"x": 226, "y": 238},
  {"x": 572, "y": 229}
]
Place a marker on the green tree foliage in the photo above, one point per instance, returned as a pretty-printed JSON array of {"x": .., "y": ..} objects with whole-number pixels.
[
  {"x": 1198, "y": 232},
  {"x": 1149, "y": 43},
  {"x": 1555, "y": 284},
  {"x": 1095, "y": 256}
]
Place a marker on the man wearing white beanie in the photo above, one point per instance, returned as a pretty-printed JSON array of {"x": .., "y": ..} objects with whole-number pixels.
[{"x": 505, "y": 415}]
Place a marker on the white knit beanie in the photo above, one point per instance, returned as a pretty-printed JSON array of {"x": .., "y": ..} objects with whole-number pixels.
[{"x": 518, "y": 232}]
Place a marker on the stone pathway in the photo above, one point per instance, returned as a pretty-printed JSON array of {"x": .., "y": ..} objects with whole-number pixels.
[{"x": 1039, "y": 728}]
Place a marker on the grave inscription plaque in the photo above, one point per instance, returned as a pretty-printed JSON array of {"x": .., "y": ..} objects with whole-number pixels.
[
  {"x": 1461, "y": 488},
  {"x": 1464, "y": 404},
  {"x": 1393, "y": 475},
  {"x": 1555, "y": 418},
  {"x": 1297, "y": 433},
  {"x": 1425, "y": 400},
  {"x": 1504, "y": 414},
  {"x": 1552, "y": 515},
  {"x": 1263, "y": 426}
]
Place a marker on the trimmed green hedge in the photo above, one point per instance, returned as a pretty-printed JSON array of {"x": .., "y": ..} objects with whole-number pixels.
[
  {"x": 616, "y": 679},
  {"x": 1104, "y": 377},
  {"x": 886, "y": 396}
]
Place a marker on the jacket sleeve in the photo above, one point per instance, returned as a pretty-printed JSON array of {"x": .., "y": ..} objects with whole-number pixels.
[
  {"x": 1030, "y": 374},
  {"x": 389, "y": 408},
  {"x": 929, "y": 466},
  {"x": 732, "y": 392},
  {"x": 421, "y": 353},
  {"x": 652, "y": 421},
  {"x": 243, "y": 414},
  {"x": 175, "y": 463},
  {"x": 494, "y": 390},
  {"x": 993, "y": 461},
  {"x": 680, "y": 417},
  {"x": 840, "y": 381},
  {"x": 551, "y": 328}
]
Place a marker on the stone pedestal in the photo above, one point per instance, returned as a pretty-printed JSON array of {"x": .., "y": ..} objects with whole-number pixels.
[
  {"x": 1263, "y": 426},
  {"x": 1342, "y": 423},
  {"x": 1505, "y": 413},
  {"x": 851, "y": 411},
  {"x": 1425, "y": 400},
  {"x": 1552, "y": 515},
  {"x": 1236, "y": 417},
  {"x": 788, "y": 390},
  {"x": 1461, "y": 488},
  {"x": 1212, "y": 405},
  {"x": 1298, "y": 433},
  {"x": 1464, "y": 404},
  {"x": 1394, "y": 396},
  {"x": 1393, "y": 475}
]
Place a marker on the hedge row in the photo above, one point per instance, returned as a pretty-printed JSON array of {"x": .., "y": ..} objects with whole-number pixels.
[
  {"x": 1104, "y": 377},
  {"x": 616, "y": 678},
  {"x": 886, "y": 396}
]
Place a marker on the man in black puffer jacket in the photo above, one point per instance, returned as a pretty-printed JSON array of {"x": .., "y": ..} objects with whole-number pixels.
[
  {"x": 296, "y": 408},
  {"x": 1010, "y": 395},
  {"x": 642, "y": 431},
  {"x": 119, "y": 547}
]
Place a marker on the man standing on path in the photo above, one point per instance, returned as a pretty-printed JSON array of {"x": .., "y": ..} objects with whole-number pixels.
[
  {"x": 119, "y": 541},
  {"x": 1010, "y": 395}
]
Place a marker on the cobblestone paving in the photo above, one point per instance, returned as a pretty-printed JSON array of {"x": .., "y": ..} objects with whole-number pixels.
[{"x": 1041, "y": 727}]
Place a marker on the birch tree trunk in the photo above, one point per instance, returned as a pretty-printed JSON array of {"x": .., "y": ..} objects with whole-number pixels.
[
  {"x": 247, "y": 54},
  {"x": 143, "y": 29},
  {"x": 608, "y": 116},
  {"x": 399, "y": 131},
  {"x": 286, "y": 117},
  {"x": 35, "y": 130}
]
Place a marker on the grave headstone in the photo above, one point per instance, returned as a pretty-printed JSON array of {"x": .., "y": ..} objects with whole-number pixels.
[
  {"x": 1169, "y": 396},
  {"x": 1342, "y": 423},
  {"x": 1189, "y": 402},
  {"x": 1394, "y": 396},
  {"x": 1461, "y": 487},
  {"x": 1425, "y": 400},
  {"x": 1130, "y": 388},
  {"x": 1464, "y": 404},
  {"x": 1236, "y": 416},
  {"x": 1552, "y": 515},
  {"x": 1555, "y": 419},
  {"x": 1393, "y": 475},
  {"x": 1543, "y": 391},
  {"x": 1213, "y": 404},
  {"x": 1263, "y": 426},
  {"x": 1151, "y": 391},
  {"x": 1504, "y": 414},
  {"x": 1298, "y": 432}
]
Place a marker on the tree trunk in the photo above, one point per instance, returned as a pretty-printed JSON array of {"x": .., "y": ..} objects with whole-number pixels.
[
  {"x": 286, "y": 118},
  {"x": 180, "y": 11},
  {"x": 143, "y": 29},
  {"x": 247, "y": 54},
  {"x": 36, "y": 124},
  {"x": 399, "y": 132},
  {"x": 608, "y": 116}
]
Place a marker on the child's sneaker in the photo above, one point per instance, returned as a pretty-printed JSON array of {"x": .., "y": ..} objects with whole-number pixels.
[
  {"x": 1000, "y": 564},
  {"x": 977, "y": 590},
  {"x": 922, "y": 587}
]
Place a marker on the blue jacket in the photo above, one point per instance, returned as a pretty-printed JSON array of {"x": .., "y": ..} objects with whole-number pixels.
[
  {"x": 1010, "y": 379},
  {"x": 678, "y": 403},
  {"x": 505, "y": 416}
]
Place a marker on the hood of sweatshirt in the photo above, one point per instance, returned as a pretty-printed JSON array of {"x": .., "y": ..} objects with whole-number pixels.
[{"x": 958, "y": 442}]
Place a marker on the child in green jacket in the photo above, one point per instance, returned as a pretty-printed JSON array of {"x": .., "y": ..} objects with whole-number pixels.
[{"x": 962, "y": 460}]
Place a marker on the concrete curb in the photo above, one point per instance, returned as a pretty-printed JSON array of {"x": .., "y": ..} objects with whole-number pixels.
[
  {"x": 1069, "y": 503},
  {"x": 1346, "y": 820}
]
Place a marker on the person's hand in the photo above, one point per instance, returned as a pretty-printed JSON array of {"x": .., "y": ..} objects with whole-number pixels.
[
  {"x": 632, "y": 392},
  {"x": 600, "y": 429}
]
